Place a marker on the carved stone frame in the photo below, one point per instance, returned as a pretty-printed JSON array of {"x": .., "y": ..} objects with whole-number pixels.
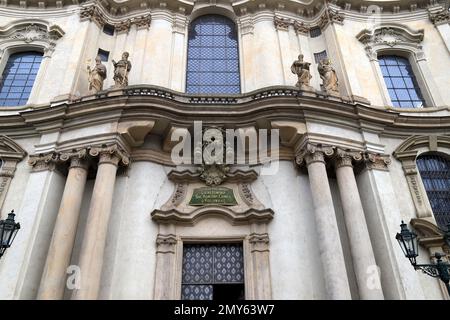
[
  {"x": 400, "y": 40},
  {"x": 407, "y": 153},
  {"x": 29, "y": 35},
  {"x": 180, "y": 222},
  {"x": 10, "y": 154}
]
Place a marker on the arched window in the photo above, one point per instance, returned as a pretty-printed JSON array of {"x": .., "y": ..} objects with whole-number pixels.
[
  {"x": 435, "y": 173},
  {"x": 400, "y": 82},
  {"x": 213, "y": 59},
  {"x": 18, "y": 78}
]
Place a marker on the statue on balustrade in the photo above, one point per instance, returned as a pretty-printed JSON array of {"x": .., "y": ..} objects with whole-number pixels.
[
  {"x": 96, "y": 76},
  {"x": 301, "y": 69},
  {"x": 121, "y": 70},
  {"x": 328, "y": 76}
]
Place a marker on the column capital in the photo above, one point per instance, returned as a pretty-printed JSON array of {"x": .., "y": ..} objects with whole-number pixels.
[
  {"x": 259, "y": 242},
  {"x": 110, "y": 154},
  {"x": 377, "y": 161},
  {"x": 345, "y": 158},
  {"x": 77, "y": 158},
  {"x": 165, "y": 243},
  {"x": 311, "y": 153},
  {"x": 440, "y": 17},
  {"x": 43, "y": 161}
]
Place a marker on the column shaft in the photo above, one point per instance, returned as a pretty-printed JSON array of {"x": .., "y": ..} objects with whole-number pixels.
[
  {"x": 366, "y": 270},
  {"x": 58, "y": 257},
  {"x": 94, "y": 241},
  {"x": 331, "y": 252}
]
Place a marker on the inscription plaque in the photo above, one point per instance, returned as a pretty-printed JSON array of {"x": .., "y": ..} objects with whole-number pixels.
[{"x": 213, "y": 195}]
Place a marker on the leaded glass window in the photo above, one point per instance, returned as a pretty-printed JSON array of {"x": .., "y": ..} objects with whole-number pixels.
[
  {"x": 211, "y": 270},
  {"x": 401, "y": 82},
  {"x": 435, "y": 173},
  {"x": 213, "y": 58},
  {"x": 18, "y": 78}
]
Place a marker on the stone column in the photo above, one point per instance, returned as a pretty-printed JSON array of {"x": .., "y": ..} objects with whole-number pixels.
[
  {"x": 94, "y": 241},
  {"x": 58, "y": 257},
  {"x": 366, "y": 270},
  {"x": 330, "y": 248}
]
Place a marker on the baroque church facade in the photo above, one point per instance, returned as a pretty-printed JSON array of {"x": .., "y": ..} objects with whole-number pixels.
[{"x": 99, "y": 99}]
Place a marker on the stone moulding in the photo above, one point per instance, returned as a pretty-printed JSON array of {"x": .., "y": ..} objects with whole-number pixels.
[
  {"x": 11, "y": 153},
  {"x": 237, "y": 175},
  {"x": 429, "y": 234},
  {"x": 407, "y": 153},
  {"x": 30, "y": 32},
  {"x": 174, "y": 216},
  {"x": 391, "y": 35}
]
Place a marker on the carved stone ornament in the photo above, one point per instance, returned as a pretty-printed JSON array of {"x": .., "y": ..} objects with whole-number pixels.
[
  {"x": 30, "y": 31},
  {"x": 389, "y": 36},
  {"x": 440, "y": 17},
  {"x": 214, "y": 174},
  {"x": 259, "y": 242},
  {"x": 331, "y": 15},
  {"x": 375, "y": 161},
  {"x": 95, "y": 14},
  {"x": 281, "y": 23},
  {"x": 165, "y": 243},
  {"x": 42, "y": 162},
  {"x": 110, "y": 154},
  {"x": 300, "y": 27},
  {"x": 345, "y": 158},
  {"x": 311, "y": 153},
  {"x": 92, "y": 13}
]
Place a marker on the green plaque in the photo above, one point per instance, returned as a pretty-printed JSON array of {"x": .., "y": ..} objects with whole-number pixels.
[{"x": 213, "y": 195}]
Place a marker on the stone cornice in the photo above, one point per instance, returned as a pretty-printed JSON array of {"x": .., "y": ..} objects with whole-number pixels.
[
  {"x": 174, "y": 216},
  {"x": 305, "y": 10},
  {"x": 151, "y": 103}
]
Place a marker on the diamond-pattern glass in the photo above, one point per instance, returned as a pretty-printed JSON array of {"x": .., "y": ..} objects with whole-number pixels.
[
  {"x": 18, "y": 78},
  {"x": 435, "y": 173},
  {"x": 208, "y": 264},
  {"x": 213, "y": 59},
  {"x": 401, "y": 82}
]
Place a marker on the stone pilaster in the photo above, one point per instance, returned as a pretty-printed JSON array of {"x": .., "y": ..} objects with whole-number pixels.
[
  {"x": 259, "y": 250},
  {"x": 58, "y": 257},
  {"x": 93, "y": 247},
  {"x": 329, "y": 242},
  {"x": 165, "y": 266},
  {"x": 363, "y": 258}
]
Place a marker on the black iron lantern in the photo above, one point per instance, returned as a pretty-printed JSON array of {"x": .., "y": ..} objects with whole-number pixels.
[
  {"x": 408, "y": 242},
  {"x": 8, "y": 231}
]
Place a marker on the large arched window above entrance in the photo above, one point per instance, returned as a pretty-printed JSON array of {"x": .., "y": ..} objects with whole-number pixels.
[
  {"x": 213, "y": 56},
  {"x": 435, "y": 173}
]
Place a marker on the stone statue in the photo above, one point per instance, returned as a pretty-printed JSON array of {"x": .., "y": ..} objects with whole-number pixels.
[
  {"x": 328, "y": 76},
  {"x": 96, "y": 76},
  {"x": 301, "y": 69},
  {"x": 121, "y": 70}
]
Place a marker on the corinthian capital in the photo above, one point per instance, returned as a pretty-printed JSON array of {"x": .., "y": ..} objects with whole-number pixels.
[
  {"x": 110, "y": 154},
  {"x": 311, "y": 153}
]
